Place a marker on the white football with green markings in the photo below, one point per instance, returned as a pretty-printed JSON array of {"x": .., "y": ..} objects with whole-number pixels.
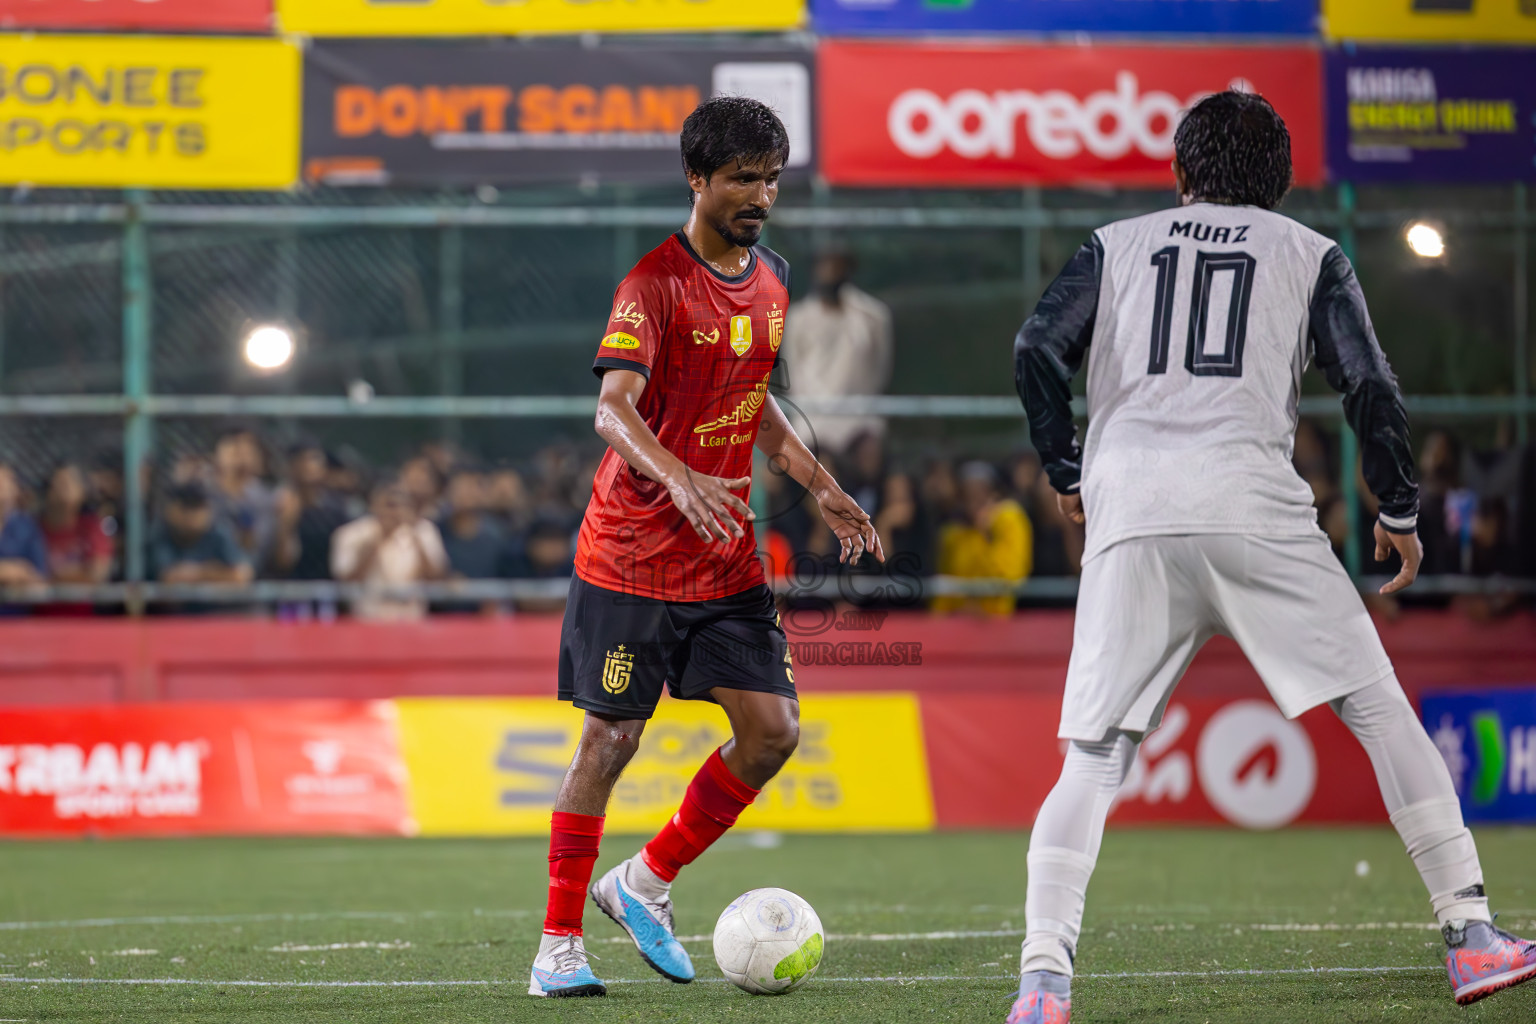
[{"x": 769, "y": 941}]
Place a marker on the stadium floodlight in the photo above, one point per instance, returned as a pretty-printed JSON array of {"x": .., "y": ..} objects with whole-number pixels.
[
  {"x": 1425, "y": 240},
  {"x": 269, "y": 347}
]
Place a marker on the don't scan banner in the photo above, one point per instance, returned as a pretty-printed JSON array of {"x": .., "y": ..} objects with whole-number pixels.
[
  {"x": 472, "y": 112},
  {"x": 1431, "y": 115}
]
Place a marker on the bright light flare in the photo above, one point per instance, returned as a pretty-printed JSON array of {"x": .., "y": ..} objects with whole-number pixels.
[
  {"x": 1425, "y": 240},
  {"x": 269, "y": 347}
]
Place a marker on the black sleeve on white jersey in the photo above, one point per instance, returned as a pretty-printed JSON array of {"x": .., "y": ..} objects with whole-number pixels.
[
  {"x": 1351, "y": 359},
  {"x": 1047, "y": 354}
]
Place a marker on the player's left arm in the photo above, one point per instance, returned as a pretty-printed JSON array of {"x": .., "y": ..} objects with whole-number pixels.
[
  {"x": 1347, "y": 352},
  {"x": 788, "y": 454},
  {"x": 1047, "y": 354}
]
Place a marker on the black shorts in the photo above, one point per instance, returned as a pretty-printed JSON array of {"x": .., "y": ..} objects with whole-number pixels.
[{"x": 616, "y": 650}]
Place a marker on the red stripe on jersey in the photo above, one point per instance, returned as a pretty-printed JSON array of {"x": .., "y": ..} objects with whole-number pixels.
[{"x": 706, "y": 344}]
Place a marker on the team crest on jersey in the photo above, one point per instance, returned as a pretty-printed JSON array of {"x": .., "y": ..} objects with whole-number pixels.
[
  {"x": 775, "y": 327},
  {"x": 741, "y": 334},
  {"x": 619, "y": 339},
  {"x": 616, "y": 669},
  {"x": 628, "y": 313},
  {"x": 700, "y": 338}
]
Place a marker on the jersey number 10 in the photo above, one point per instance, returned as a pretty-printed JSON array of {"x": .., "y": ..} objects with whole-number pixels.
[{"x": 1229, "y": 361}]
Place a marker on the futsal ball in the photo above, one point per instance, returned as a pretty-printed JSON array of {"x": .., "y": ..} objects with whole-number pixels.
[{"x": 768, "y": 941}]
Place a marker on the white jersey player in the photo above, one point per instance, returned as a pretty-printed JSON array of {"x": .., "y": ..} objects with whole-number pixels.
[{"x": 1197, "y": 323}]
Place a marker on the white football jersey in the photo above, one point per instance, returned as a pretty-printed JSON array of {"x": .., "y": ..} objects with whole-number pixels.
[{"x": 1203, "y": 320}]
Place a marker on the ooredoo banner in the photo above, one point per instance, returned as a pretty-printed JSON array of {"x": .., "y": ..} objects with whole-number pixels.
[
  {"x": 1488, "y": 741},
  {"x": 498, "y": 17},
  {"x": 1468, "y": 21},
  {"x": 289, "y": 767},
  {"x": 1432, "y": 115},
  {"x": 953, "y": 115},
  {"x": 471, "y": 112},
  {"x": 158, "y": 112},
  {"x": 1184, "y": 17},
  {"x": 189, "y": 15}
]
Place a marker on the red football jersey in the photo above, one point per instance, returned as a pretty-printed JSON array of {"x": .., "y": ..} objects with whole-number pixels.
[{"x": 706, "y": 344}]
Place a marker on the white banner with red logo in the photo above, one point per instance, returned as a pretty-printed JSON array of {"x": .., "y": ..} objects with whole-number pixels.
[{"x": 897, "y": 114}]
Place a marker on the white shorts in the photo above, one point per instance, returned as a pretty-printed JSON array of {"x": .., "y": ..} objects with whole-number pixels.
[{"x": 1147, "y": 605}]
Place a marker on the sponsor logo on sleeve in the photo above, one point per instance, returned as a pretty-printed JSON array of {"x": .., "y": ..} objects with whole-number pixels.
[
  {"x": 628, "y": 313},
  {"x": 618, "y": 339}
]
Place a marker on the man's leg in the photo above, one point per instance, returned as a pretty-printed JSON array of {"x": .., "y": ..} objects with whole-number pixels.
[
  {"x": 1064, "y": 846},
  {"x": 1421, "y": 800},
  {"x": 576, "y": 829},
  {"x": 765, "y": 729}
]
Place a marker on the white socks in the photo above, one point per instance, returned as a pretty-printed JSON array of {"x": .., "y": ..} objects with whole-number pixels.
[
  {"x": 641, "y": 880},
  {"x": 1064, "y": 846},
  {"x": 1420, "y": 798},
  {"x": 1443, "y": 851}
]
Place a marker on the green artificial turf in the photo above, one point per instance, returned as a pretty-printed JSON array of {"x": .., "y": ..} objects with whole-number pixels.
[{"x": 1194, "y": 902}]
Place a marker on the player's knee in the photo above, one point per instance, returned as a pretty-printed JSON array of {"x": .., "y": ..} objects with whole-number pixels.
[
  {"x": 609, "y": 746},
  {"x": 770, "y": 745}
]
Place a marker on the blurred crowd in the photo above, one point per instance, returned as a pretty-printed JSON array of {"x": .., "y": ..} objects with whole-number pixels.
[{"x": 244, "y": 511}]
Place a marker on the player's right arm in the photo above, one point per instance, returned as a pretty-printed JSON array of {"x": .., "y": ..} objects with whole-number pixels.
[
  {"x": 1047, "y": 354},
  {"x": 705, "y": 501},
  {"x": 1347, "y": 352}
]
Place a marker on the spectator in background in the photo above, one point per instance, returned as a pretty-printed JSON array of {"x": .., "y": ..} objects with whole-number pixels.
[
  {"x": 476, "y": 547},
  {"x": 941, "y": 490},
  {"x": 307, "y": 513},
  {"x": 392, "y": 546},
  {"x": 547, "y": 553},
  {"x": 992, "y": 542},
  {"x": 903, "y": 524},
  {"x": 23, "y": 553},
  {"x": 1439, "y": 480},
  {"x": 508, "y": 500},
  {"x": 188, "y": 546},
  {"x": 837, "y": 343},
  {"x": 423, "y": 484},
  {"x": 79, "y": 548},
  {"x": 242, "y": 503}
]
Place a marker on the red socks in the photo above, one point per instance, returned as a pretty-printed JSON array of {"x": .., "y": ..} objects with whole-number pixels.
[
  {"x": 714, "y": 800},
  {"x": 573, "y": 841}
]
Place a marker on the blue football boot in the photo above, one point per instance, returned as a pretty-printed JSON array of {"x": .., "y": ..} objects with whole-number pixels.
[
  {"x": 649, "y": 924},
  {"x": 1043, "y": 998}
]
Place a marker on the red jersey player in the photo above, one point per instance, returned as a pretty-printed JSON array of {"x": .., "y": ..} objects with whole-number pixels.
[{"x": 668, "y": 587}]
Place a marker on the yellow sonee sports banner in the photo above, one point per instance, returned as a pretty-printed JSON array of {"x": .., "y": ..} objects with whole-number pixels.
[
  {"x": 1471, "y": 21},
  {"x": 497, "y": 17},
  {"x": 116, "y": 111},
  {"x": 491, "y": 766}
]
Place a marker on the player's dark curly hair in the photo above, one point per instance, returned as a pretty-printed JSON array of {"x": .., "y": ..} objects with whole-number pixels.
[
  {"x": 1235, "y": 149},
  {"x": 730, "y": 128}
]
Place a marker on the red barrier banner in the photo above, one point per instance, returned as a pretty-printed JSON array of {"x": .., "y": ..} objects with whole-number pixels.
[
  {"x": 283, "y": 768},
  {"x": 992, "y": 760},
  {"x": 189, "y": 15},
  {"x": 955, "y": 115}
]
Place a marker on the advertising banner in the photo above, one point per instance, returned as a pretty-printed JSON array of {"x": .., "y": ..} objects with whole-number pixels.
[
  {"x": 133, "y": 769},
  {"x": 498, "y": 17},
  {"x": 377, "y": 113},
  {"x": 1488, "y": 741},
  {"x": 1463, "y": 21},
  {"x": 189, "y": 15},
  {"x": 116, "y": 111},
  {"x": 955, "y": 116},
  {"x": 978, "y": 17},
  {"x": 488, "y": 766},
  {"x": 1432, "y": 115},
  {"x": 993, "y": 758}
]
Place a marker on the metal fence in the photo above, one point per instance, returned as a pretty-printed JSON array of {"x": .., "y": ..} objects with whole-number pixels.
[{"x": 473, "y": 314}]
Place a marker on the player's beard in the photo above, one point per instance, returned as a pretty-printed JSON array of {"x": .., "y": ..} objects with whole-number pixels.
[{"x": 743, "y": 231}]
